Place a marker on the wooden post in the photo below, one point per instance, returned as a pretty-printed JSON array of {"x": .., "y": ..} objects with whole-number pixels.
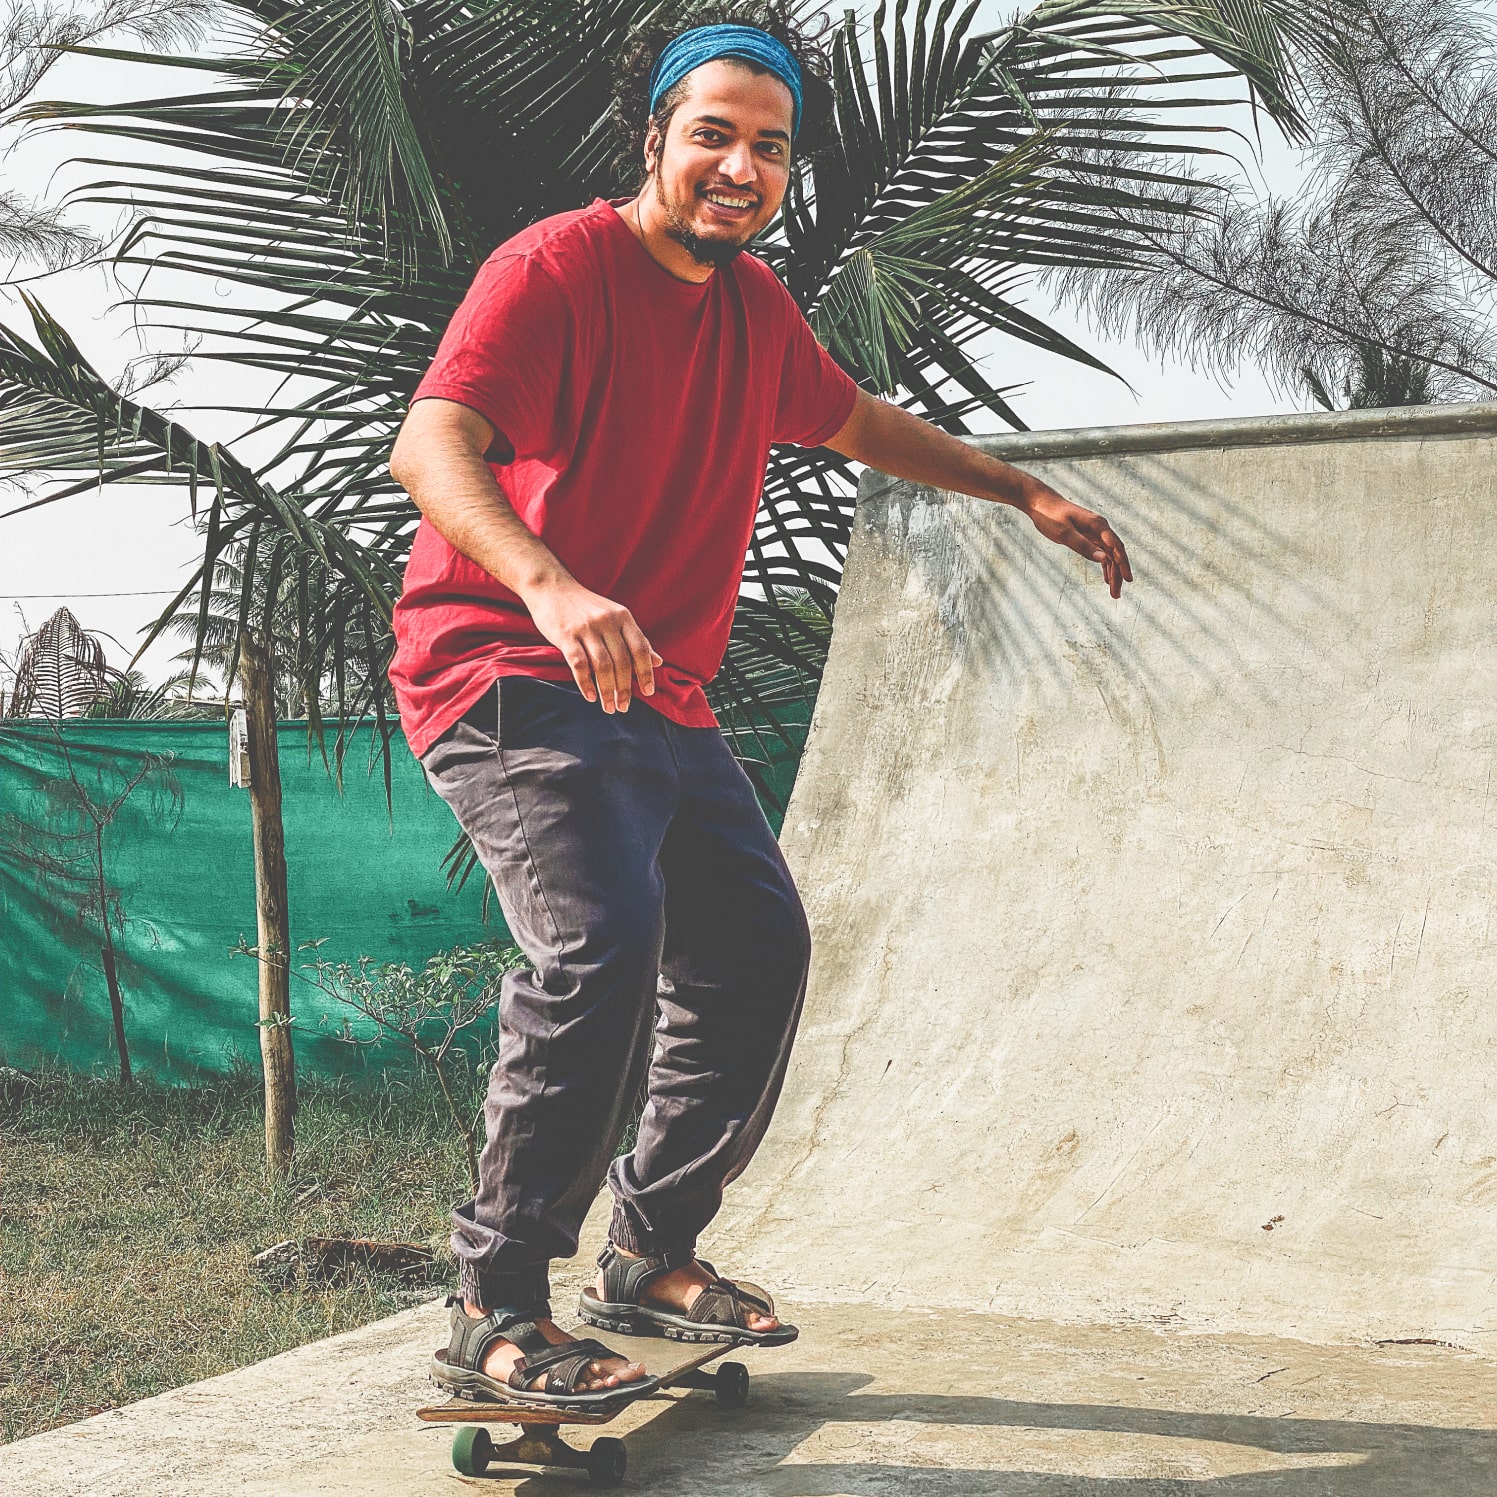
[{"x": 270, "y": 904}]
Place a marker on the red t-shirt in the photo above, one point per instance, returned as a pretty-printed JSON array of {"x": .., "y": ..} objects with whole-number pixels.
[{"x": 635, "y": 414}]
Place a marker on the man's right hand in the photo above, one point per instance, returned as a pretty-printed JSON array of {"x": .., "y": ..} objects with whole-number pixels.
[{"x": 605, "y": 649}]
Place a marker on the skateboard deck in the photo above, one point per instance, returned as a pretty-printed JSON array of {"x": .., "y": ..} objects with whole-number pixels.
[{"x": 540, "y": 1442}]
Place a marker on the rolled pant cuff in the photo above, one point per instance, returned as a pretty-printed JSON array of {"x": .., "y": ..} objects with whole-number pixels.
[
  {"x": 528, "y": 1290},
  {"x": 636, "y": 1238}
]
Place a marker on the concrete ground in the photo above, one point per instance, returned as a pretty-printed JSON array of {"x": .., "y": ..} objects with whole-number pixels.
[{"x": 923, "y": 1402}]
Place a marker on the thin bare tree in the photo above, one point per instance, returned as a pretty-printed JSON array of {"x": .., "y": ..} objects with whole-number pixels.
[
  {"x": 1375, "y": 285},
  {"x": 66, "y": 850}
]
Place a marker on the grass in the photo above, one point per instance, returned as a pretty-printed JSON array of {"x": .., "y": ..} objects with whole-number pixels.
[{"x": 128, "y": 1219}]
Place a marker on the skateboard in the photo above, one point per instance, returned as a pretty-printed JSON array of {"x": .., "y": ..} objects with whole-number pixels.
[{"x": 540, "y": 1442}]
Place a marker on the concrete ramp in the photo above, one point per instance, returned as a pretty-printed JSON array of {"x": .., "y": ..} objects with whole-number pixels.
[{"x": 1155, "y": 964}]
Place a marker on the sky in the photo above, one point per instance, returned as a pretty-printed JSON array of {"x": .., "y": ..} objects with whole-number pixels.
[{"x": 115, "y": 558}]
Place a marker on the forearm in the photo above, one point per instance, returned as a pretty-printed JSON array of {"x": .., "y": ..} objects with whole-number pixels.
[
  {"x": 892, "y": 440},
  {"x": 456, "y": 490},
  {"x": 438, "y": 460},
  {"x": 895, "y": 442}
]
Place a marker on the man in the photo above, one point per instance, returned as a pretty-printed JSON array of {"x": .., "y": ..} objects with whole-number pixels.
[{"x": 587, "y": 452}]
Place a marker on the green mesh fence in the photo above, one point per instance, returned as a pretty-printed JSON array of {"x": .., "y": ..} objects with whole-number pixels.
[{"x": 364, "y": 879}]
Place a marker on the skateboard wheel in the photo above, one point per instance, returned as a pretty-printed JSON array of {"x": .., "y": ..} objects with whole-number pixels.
[
  {"x": 732, "y": 1385},
  {"x": 606, "y": 1462},
  {"x": 472, "y": 1450}
]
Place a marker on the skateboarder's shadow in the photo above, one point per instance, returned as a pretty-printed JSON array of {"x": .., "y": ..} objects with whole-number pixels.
[{"x": 815, "y": 1434}]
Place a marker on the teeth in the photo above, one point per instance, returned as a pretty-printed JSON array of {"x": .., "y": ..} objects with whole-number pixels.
[{"x": 727, "y": 202}]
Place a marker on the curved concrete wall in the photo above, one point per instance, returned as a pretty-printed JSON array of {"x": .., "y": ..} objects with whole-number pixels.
[{"x": 1154, "y": 971}]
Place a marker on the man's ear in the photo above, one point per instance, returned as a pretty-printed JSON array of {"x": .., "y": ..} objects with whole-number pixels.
[{"x": 652, "y": 147}]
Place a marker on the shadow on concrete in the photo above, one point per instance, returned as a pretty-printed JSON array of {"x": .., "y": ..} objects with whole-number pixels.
[
  {"x": 810, "y": 1434},
  {"x": 1211, "y": 571}
]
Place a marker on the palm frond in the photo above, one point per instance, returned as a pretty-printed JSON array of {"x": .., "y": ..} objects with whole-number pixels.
[
  {"x": 351, "y": 162},
  {"x": 58, "y": 415}
]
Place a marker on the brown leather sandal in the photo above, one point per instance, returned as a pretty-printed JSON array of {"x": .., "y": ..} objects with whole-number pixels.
[
  {"x": 456, "y": 1366},
  {"x": 717, "y": 1314}
]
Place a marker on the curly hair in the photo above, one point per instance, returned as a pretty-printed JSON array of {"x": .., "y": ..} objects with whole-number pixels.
[{"x": 631, "y": 89}]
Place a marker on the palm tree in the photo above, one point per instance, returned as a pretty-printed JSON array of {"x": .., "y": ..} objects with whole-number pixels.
[
  {"x": 130, "y": 697},
  {"x": 357, "y": 159},
  {"x": 212, "y": 636},
  {"x": 60, "y": 671}
]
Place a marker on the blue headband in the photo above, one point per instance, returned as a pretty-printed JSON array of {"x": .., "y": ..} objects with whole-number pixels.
[{"x": 704, "y": 43}]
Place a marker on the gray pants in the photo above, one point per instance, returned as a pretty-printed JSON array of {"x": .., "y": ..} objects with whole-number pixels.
[{"x": 638, "y": 875}]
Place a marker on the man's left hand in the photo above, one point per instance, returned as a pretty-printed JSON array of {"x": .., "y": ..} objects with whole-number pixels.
[
  {"x": 898, "y": 442},
  {"x": 1087, "y": 534}
]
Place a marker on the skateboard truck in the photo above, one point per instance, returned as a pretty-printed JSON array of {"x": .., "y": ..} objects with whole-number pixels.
[
  {"x": 540, "y": 1442},
  {"x": 473, "y": 1449}
]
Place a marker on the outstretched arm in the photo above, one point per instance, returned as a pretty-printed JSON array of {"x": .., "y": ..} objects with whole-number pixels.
[{"x": 895, "y": 442}]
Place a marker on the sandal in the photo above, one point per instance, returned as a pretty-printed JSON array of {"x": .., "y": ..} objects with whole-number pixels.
[
  {"x": 717, "y": 1314},
  {"x": 456, "y": 1367}
]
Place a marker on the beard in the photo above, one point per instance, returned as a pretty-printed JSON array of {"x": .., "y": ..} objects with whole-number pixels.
[{"x": 718, "y": 253}]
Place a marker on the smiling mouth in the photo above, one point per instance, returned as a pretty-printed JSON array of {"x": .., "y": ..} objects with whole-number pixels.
[{"x": 728, "y": 203}]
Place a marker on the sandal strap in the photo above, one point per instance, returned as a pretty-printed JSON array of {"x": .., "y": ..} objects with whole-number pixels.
[
  {"x": 564, "y": 1364},
  {"x": 623, "y": 1277},
  {"x": 472, "y": 1338},
  {"x": 526, "y": 1335},
  {"x": 722, "y": 1302},
  {"x": 716, "y": 1305},
  {"x": 751, "y": 1294}
]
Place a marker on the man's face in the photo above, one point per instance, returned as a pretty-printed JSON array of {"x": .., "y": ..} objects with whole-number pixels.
[{"x": 722, "y": 169}]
